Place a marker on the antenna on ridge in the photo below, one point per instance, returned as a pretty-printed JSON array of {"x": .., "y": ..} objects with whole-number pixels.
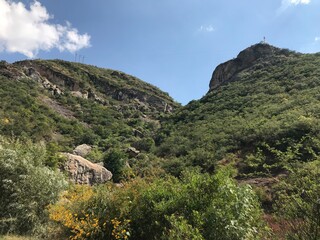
[
  {"x": 79, "y": 58},
  {"x": 264, "y": 41}
]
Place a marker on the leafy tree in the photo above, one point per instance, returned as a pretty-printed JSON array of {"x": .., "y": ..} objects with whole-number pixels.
[
  {"x": 27, "y": 186},
  {"x": 115, "y": 161}
]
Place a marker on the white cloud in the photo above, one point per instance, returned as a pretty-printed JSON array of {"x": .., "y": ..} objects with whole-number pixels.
[
  {"x": 287, "y": 3},
  {"x": 317, "y": 39},
  {"x": 207, "y": 28},
  {"x": 28, "y": 30},
  {"x": 296, "y": 2}
]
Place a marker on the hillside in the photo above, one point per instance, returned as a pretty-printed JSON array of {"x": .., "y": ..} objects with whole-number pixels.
[
  {"x": 262, "y": 110},
  {"x": 72, "y": 103},
  {"x": 240, "y": 163},
  {"x": 261, "y": 115}
]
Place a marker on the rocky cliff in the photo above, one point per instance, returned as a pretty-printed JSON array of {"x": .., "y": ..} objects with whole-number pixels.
[{"x": 261, "y": 52}]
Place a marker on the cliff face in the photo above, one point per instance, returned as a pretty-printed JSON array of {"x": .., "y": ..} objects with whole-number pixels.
[{"x": 247, "y": 58}]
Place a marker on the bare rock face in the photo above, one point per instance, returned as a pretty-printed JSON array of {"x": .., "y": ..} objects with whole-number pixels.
[
  {"x": 82, "y": 171},
  {"x": 228, "y": 71},
  {"x": 82, "y": 150}
]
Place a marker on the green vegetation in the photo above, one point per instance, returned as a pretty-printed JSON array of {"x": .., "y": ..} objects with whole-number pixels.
[
  {"x": 65, "y": 120},
  {"x": 115, "y": 161},
  {"x": 267, "y": 119},
  {"x": 27, "y": 186},
  {"x": 180, "y": 175},
  {"x": 297, "y": 198},
  {"x": 198, "y": 206}
]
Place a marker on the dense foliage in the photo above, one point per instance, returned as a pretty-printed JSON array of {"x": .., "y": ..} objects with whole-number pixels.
[
  {"x": 298, "y": 199},
  {"x": 27, "y": 186},
  {"x": 268, "y": 118},
  {"x": 170, "y": 169},
  {"x": 198, "y": 206}
]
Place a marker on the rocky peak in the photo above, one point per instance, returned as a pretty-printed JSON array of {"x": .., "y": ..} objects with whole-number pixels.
[{"x": 228, "y": 71}]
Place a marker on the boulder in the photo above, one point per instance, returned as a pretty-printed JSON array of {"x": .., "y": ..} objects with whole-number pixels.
[
  {"x": 82, "y": 150},
  {"x": 82, "y": 171},
  {"x": 133, "y": 152}
]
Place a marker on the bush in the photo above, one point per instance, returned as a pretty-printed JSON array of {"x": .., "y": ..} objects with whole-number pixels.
[
  {"x": 213, "y": 205},
  {"x": 115, "y": 161},
  {"x": 199, "y": 206},
  {"x": 27, "y": 186},
  {"x": 298, "y": 201}
]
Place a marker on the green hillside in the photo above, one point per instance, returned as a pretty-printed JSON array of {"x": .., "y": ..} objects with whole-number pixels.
[
  {"x": 67, "y": 104},
  {"x": 240, "y": 163},
  {"x": 265, "y": 119}
]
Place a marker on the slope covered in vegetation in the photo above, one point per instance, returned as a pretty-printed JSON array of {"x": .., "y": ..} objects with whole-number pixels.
[
  {"x": 67, "y": 104},
  {"x": 265, "y": 119},
  {"x": 189, "y": 173}
]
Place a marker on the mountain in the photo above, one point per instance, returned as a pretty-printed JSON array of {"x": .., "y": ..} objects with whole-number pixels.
[
  {"x": 261, "y": 52},
  {"x": 68, "y": 104},
  {"x": 261, "y": 112},
  {"x": 240, "y": 163}
]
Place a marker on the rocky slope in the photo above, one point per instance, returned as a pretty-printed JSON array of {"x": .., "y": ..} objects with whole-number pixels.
[
  {"x": 66, "y": 104},
  {"x": 258, "y": 53},
  {"x": 91, "y": 83}
]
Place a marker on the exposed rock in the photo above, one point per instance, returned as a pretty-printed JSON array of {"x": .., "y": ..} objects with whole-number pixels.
[
  {"x": 120, "y": 75},
  {"x": 33, "y": 74},
  {"x": 167, "y": 108},
  {"x": 138, "y": 133},
  {"x": 133, "y": 152},
  {"x": 227, "y": 71},
  {"x": 117, "y": 85},
  {"x": 79, "y": 94},
  {"x": 58, "y": 108},
  {"x": 55, "y": 77},
  {"x": 82, "y": 171},
  {"x": 95, "y": 97},
  {"x": 9, "y": 71},
  {"x": 82, "y": 150}
]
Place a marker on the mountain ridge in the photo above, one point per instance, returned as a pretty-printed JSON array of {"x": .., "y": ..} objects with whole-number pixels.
[
  {"x": 229, "y": 70},
  {"x": 259, "y": 125}
]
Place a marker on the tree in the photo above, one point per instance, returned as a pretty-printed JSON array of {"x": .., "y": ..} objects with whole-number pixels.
[
  {"x": 115, "y": 161},
  {"x": 27, "y": 186}
]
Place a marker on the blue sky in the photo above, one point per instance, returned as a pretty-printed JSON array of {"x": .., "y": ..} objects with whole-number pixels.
[{"x": 172, "y": 44}]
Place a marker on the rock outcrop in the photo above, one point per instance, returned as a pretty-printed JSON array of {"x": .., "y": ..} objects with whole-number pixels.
[
  {"x": 228, "y": 71},
  {"x": 98, "y": 85},
  {"x": 82, "y": 150},
  {"x": 82, "y": 171},
  {"x": 133, "y": 152}
]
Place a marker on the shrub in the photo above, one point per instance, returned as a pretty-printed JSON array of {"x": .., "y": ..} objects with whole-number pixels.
[
  {"x": 27, "y": 186},
  {"x": 199, "y": 206},
  {"x": 297, "y": 201},
  {"x": 115, "y": 161},
  {"x": 213, "y": 205}
]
